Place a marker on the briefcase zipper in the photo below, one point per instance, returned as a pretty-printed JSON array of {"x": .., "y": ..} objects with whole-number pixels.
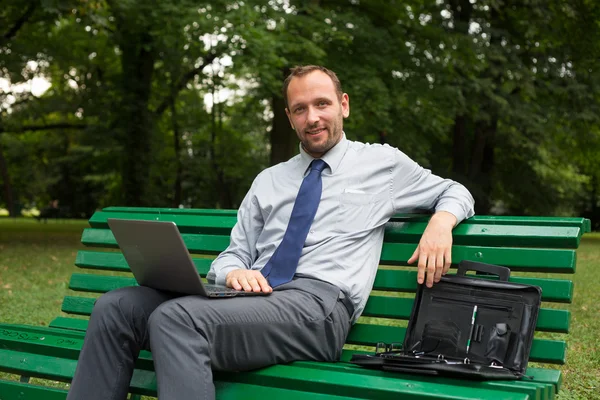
[{"x": 472, "y": 303}]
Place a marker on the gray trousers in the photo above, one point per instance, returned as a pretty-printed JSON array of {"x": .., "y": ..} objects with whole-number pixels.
[{"x": 191, "y": 335}]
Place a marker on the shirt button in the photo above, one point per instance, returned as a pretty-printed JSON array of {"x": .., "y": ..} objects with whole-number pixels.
[{"x": 311, "y": 231}]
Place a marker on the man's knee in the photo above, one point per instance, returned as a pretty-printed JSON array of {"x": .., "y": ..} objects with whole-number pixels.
[
  {"x": 115, "y": 306},
  {"x": 168, "y": 317}
]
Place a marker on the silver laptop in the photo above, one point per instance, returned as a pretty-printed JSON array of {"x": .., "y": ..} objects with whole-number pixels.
[{"x": 158, "y": 258}]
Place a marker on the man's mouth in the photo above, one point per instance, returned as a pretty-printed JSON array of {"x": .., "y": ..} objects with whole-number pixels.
[{"x": 315, "y": 131}]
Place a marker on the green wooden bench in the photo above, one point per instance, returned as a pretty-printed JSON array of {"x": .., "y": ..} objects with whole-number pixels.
[{"x": 526, "y": 245}]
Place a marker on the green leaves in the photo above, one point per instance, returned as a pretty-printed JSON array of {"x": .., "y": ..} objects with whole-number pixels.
[{"x": 492, "y": 93}]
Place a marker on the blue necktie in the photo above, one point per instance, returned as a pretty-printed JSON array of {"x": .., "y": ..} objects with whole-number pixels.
[{"x": 281, "y": 267}]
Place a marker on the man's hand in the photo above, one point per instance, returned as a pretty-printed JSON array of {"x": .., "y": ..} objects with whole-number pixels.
[
  {"x": 434, "y": 251},
  {"x": 248, "y": 280}
]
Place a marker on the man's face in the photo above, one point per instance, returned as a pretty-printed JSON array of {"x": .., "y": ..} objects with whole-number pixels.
[{"x": 315, "y": 112}]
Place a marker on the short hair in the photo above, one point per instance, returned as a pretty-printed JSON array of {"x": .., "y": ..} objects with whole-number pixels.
[{"x": 303, "y": 70}]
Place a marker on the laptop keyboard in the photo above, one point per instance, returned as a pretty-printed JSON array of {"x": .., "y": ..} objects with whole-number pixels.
[{"x": 220, "y": 289}]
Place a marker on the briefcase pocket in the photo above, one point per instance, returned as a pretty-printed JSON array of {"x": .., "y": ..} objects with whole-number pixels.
[
  {"x": 499, "y": 343},
  {"x": 440, "y": 337}
]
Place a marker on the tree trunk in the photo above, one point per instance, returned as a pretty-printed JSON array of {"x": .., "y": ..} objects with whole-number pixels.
[
  {"x": 461, "y": 12},
  {"x": 137, "y": 122},
  {"x": 8, "y": 195},
  {"x": 284, "y": 142},
  {"x": 459, "y": 147},
  {"x": 475, "y": 167},
  {"x": 482, "y": 164},
  {"x": 482, "y": 157}
]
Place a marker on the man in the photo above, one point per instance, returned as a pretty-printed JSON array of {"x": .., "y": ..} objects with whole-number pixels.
[{"x": 309, "y": 233}]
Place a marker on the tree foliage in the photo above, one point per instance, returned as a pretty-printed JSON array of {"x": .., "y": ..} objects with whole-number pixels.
[{"x": 497, "y": 94}]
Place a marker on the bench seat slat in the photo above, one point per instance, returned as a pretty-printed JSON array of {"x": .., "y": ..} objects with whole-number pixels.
[
  {"x": 534, "y": 388},
  {"x": 225, "y": 390},
  {"x": 78, "y": 305},
  {"x": 371, "y": 387},
  {"x": 99, "y": 283},
  {"x": 552, "y": 320},
  {"x": 26, "y": 391},
  {"x": 236, "y": 391},
  {"x": 279, "y": 376},
  {"x": 553, "y": 376},
  {"x": 364, "y": 334},
  {"x": 62, "y": 343},
  {"x": 75, "y": 324},
  {"x": 52, "y": 342},
  {"x": 400, "y": 232},
  {"x": 542, "y": 350},
  {"x": 143, "y": 382}
]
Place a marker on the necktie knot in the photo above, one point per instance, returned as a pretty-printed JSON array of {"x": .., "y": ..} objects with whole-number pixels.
[{"x": 318, "y": 165}]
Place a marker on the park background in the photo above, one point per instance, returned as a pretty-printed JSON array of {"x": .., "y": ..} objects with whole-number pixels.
[{"x": 178, "y": 104}]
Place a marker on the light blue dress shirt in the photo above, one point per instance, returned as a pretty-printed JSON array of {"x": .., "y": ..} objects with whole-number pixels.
[{"x": 363, "y": 186}]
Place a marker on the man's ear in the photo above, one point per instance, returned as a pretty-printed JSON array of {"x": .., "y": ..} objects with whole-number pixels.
[
  {"x": 345, "y": 105},
  {"x": 287, "y": 112}
]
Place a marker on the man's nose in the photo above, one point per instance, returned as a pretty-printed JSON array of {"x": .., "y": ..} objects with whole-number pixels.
[{"x": 313, "y": 116}]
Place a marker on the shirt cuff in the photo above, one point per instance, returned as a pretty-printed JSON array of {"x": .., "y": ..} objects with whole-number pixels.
[
  {"x": 455, "y": 209},
  {"x": 221, "y": 276}
]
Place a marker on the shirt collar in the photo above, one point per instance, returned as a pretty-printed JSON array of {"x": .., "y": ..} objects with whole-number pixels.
[{"x": 333, "y": 157}]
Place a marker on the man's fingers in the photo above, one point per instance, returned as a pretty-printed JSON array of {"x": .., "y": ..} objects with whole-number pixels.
[
  {"x": 422, "y": 268},
  {"x": 447, "y": 260},
  {"x": 439, "y": 267},
  {"x": 431, "y": 260},
  {"x": 245, "y": 285},
  {"x": 248, "y": 281},
  {"x": 234, "y": 283},
  {"x": 414, "y": 257},
  {"x": 254, "y": 284},
  {"x": 264, "y": 285}
]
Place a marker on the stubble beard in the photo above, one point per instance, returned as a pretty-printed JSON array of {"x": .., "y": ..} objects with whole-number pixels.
[{"x": 334, "y": 135}]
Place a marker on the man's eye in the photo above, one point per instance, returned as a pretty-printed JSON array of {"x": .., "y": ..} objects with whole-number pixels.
[
  {"x": 322, "y": 103},
  {"x": 299, "y": 109}
]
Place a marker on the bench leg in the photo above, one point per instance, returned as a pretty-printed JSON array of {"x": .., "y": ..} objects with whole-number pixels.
[{"x": 24, "y": 379}]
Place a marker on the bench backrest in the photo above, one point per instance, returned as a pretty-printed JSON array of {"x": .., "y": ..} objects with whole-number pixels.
[{"x": 532, "y": 247}]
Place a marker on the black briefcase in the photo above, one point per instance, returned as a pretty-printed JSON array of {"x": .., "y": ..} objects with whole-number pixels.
[{"x": 465, "y": 326}]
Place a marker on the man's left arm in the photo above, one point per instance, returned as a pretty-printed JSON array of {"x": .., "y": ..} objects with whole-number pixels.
[{"x": 416, "y": 188}]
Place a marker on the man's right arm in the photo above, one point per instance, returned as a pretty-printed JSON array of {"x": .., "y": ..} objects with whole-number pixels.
[{"x": 241, "y": 252}]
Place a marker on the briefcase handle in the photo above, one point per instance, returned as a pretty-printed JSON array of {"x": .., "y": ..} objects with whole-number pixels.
[{"x": 465, "y": 265}]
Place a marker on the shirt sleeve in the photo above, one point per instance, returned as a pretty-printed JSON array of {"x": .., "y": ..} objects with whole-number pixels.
[
  {"x": 241, "y": 252},
  {"x": 415, "y": 187}
]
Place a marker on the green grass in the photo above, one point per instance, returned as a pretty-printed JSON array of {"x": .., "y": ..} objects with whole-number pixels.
[
  {"x": 36, "y": 261},
  {"x": 582, "y": 370}
]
